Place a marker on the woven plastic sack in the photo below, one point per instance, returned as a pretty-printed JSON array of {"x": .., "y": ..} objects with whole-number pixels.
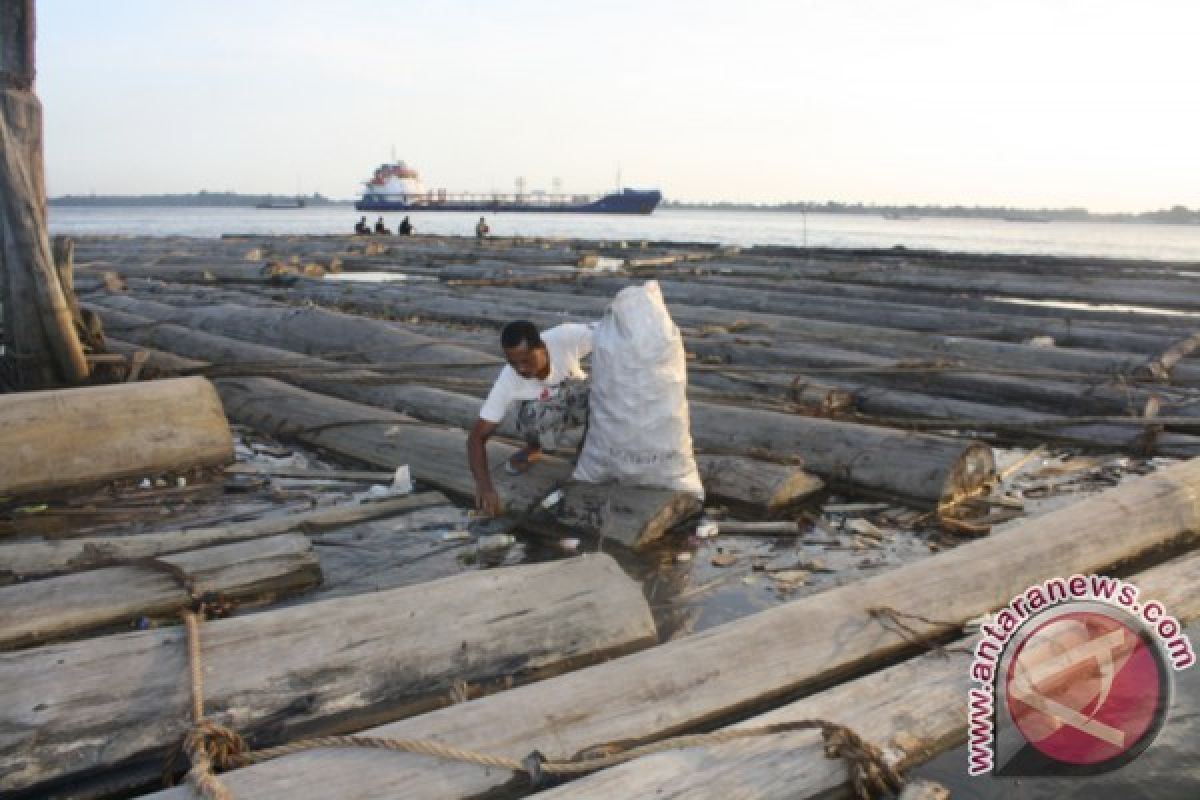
[{"x": 639, "y": 432}]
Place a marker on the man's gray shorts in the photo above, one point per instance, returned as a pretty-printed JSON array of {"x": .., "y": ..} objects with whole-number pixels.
[{"x": 542, "y": 422}]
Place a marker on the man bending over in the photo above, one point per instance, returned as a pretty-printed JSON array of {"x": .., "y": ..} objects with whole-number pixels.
[{"x": 545, "y": 380}]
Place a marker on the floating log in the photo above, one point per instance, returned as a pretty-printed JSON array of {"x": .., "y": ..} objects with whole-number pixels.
[
  {"x": 211, "y": 271},
  {"x": 760, "y": 487},
  {"x": 247, "y": 573},
  {"x": 751, "y": 662},
  {"x": 923, "y": 469},
  {"x": 23, "y": 560},
  {"x": 912, "y": 711},
  {"x": 1019, "y": 424},
  {"x": 437, "y": 456},
  {"x": 1155, "y": 293},
  {"x": 87, "y": 706},
  {"x": 58, "y": 438}
]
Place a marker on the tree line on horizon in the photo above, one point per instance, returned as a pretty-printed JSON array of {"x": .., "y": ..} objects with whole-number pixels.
[
  {"x": 200, "y": 198},
  {"x": 1178, "y": 214}
]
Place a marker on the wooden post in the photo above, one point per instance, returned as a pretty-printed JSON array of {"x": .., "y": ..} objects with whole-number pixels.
[{"x": 40, "y": 334}]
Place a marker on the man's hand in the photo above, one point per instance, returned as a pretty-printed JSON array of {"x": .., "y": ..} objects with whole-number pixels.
[{"x": 488, "y": 501}]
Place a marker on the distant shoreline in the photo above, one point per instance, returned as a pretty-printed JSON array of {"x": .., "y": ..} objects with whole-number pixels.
[
  {"x": 1177, "y": 215},
  {"x": 193, "y": 200}
]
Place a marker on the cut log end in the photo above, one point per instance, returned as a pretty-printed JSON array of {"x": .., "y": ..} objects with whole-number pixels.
[{"x": 974, "y": 468}]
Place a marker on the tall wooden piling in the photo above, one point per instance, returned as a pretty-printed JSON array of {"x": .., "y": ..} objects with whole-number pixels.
[{"x": 41, "y": 346}]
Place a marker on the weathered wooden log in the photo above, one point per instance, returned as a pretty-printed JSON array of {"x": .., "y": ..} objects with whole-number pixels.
[
  {"x": 1022, "y": 425},
  {"x": 752, "y": 662},
  {"x": 23, "y": 560},
  {"x": 82, "y": 707},
  {"x": 925, "y": 470},
  {"x": 58, "y": 438},
  {"x": 235, "y": 272},
  {"x": 912, "y": 712},
  {"x": 154, "y": 363},
  {"x": 247, "y": 573},
  {"x": 1155, "y": 293},
  {"x": 437, "y": 456},
  {"x": 760, "y": 487}
]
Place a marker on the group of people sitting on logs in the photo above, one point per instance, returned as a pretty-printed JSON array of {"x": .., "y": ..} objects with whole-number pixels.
[{"x": 361, "y": 228}]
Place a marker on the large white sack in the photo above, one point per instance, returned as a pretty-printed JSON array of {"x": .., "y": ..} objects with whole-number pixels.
[{"x": 639, "y": 432}]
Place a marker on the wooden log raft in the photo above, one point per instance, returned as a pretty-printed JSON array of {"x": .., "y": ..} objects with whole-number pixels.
[
  {"x": 906, "y": 316},
  {"x": 912, "y": 711},
  {"x": 749, "y": 663},
  {"x": 437, "y": 456},
  {"x": 316, "y": 331},
  {"x": 925, "y": 469},
  {"x": 246, "y": 573},
  {"x": 88, "y": 706},
  {"x": 57, "y": 438},
  {"x": 761, "y": 486},
  {"x": 499, "y": 303},
  {"x": 23, "y": 560}
]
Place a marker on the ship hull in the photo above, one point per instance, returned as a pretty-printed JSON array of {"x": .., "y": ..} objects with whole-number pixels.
[{"x": 630, "y": 201}]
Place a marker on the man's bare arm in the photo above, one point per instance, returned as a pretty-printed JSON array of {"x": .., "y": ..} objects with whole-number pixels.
[{"x": 486, "y": 498}]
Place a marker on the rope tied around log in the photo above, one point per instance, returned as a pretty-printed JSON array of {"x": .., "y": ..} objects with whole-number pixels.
[{"x": 211, "y": 746}]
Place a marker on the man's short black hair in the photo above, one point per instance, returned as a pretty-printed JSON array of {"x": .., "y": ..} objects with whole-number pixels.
[{"x": 519, "y": 332}]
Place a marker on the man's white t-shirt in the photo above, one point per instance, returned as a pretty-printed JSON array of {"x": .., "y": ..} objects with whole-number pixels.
[{"x": 566, "y": 345}]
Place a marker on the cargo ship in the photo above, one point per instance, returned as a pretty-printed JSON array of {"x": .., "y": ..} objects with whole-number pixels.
[{"x": 397, "y": 187}]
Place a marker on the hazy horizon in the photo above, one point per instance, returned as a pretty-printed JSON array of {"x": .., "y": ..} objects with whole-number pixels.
[{"x": 1021, "y": 104}]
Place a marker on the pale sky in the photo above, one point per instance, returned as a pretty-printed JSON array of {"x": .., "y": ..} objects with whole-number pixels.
[{"x": 1031, "y": 103}]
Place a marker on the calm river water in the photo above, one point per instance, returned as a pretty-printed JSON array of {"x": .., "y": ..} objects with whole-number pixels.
[{"x": 1118, "y": 240}]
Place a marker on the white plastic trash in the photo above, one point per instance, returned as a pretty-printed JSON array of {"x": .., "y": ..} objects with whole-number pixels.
[
  {"x": 496, "y": 541},
  {"x": 402, "y": 480},
  {"x": 639, "y": 430}
]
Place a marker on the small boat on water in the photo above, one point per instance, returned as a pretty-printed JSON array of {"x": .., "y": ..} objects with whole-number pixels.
[
  {"x": 397, "y": 187},
  {"x": 282, "y": 203}
]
